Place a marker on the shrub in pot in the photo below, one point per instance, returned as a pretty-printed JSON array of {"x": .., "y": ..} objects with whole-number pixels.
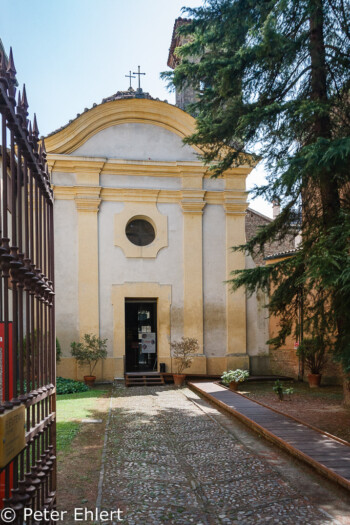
[
  {"x": 232, "y": 378},
  {"x": 182, "y": 351},
  {"x": 313, "y": 351},
  {"x": 89, "y": 352}
]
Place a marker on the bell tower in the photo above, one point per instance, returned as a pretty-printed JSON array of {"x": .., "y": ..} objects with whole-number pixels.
[{"x": 186, "y": 95}]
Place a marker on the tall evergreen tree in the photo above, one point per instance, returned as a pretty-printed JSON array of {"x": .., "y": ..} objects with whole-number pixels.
[{"x": 273, "y": 76}]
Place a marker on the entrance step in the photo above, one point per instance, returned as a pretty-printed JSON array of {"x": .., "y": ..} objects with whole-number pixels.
[{"x": 143, "y": 379}]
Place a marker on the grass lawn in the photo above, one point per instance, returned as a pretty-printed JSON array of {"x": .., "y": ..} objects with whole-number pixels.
[{"x": 71, "y": 409}]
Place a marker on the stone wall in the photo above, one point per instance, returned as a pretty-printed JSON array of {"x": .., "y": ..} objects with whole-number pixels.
[
  {"x": 254, "y": 221},
  {"x": 285, "y": 361}
]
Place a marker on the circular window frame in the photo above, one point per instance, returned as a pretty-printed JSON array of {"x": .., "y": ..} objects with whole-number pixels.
[
  {"x": 146, "y": 219},
  {"x": 149, "y": 212}
]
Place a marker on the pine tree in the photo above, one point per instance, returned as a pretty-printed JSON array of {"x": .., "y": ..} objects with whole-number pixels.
[{"x": 273, "y": 77}]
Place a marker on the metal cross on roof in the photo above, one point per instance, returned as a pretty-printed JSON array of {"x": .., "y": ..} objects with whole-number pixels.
[
  {"x": 139, "y": 75},
  {"x": 130, "y": 76}
]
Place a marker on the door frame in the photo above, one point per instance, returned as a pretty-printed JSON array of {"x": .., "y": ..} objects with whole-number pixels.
[
  {"x": 143, "y": 301},
  {"x": 160, "y": 292}
]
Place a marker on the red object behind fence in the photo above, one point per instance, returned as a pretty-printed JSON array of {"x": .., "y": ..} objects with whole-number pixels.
[{"x": 10, "y": 383}]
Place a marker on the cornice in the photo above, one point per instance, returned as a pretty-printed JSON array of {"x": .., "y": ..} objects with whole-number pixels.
[
  {"x": 91, "y": 205},
  {"x": 87, "y": 198},
  {"x": 105, "y": 166},
  {"x": 233, "y": 201},
  {"x": 192, "y": 201},
  {"x": 119, "y": 112}
]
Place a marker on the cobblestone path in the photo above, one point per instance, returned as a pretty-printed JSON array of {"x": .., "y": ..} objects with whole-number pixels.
[{"x": 168, "y": 462}]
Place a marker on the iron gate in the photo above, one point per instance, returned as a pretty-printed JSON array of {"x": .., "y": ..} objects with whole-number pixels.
[{"x": 28, "y": 480}]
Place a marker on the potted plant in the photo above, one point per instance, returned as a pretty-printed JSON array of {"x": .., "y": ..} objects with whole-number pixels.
[
  {"x": 89, "y": 352},
  {"x": 313, "y": 351},
  {"x": 232, "y": 378},
  {"x": 182, "y": 351}
]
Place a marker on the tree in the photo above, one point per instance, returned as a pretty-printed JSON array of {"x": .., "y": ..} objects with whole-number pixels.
[
  {"x": 274, "y": 77},
  {"x": 89, "y": 351}
]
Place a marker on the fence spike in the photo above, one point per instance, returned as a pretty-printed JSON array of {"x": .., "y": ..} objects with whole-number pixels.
[
  {"x": 24, "y": 98},
  {"x": 3, "y": 73},
  {"x": 43, "y": 145},
  {"x": 35, "y": 127},
  {"x": 11, "y": 65}
]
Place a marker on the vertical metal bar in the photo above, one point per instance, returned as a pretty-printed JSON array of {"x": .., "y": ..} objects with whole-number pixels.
[
  {"x": 26, "y": 211},
  {"x": 6, "y": 345},
  {"x": 20, "y": 285}
]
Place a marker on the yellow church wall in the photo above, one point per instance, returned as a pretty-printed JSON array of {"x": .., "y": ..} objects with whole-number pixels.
[
  {"x": 192, "y": 207},
  {"x": 216, "y": 365},
  {"x": 88, "y": 194},
  {"x": 87, "y": 204},
  {"x": 236, "y": 348}
]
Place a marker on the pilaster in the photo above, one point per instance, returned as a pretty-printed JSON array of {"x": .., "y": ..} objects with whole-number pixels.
[
  {"x": 236, "y": 349},
  {"x": 87, "y": 202},
  {"x": 192, "y": 204}
]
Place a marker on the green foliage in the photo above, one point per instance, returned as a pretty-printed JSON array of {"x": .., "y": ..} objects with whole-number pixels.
[
  {"x": 237, "y": 375},
  {"x": 89, "y": 351},
  {"x": 69, "y": 386},
  {"x": 313, "y": 351},
  {"x": 289, "y": 391},
  {"x": 274, "y": 77},
  {"x": 58, "y": 351},
  {"x": 278, "y": 389},
  {"x": 35, "y": 343}
]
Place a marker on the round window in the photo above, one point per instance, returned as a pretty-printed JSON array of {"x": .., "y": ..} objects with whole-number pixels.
[{"x": 140, "y": 232}]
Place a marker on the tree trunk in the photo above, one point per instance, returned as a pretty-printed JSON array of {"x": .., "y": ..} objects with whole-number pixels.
[
  {"x": 322, "y": 121},
  {"x": 329, "y": 188},
  {"x": 346, "y": 389}
]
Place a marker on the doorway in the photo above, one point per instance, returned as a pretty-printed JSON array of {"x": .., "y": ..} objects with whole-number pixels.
[{"x": 140, "y": 335}]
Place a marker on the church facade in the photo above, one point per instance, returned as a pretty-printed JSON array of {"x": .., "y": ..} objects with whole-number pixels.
[{"x": 143, "y": 241}]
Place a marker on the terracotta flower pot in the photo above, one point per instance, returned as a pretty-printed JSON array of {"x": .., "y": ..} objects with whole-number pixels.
[
  {"x": 314, "y": 380},
  {"x": 89, "y": 380},
  {"x": 179, "y": 379},
  {"x": 233, "y": 386}
]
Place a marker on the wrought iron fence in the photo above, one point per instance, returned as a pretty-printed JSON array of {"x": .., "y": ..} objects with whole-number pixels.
[{"x": 27, "y": 327}]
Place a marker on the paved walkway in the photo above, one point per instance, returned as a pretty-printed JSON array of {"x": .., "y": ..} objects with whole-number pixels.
[
  {"x": 328, "y": 455},
  {"x": 168, "y": 462}
]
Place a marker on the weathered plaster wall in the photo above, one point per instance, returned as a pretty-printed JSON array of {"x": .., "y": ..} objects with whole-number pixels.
[
  {"x": 214, "y": 268},
  {"x": 66, "y": 274},
  {"x": 257, "y": 321},
  {"x": 134, "y": 141},
  {"x": 115, "y": 268}
]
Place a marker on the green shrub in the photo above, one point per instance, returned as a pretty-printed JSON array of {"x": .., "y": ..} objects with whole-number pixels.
[
  {"x": 238, "y": 376},
  {"x": 89, "y": 351},
  {"x": 69, "y": 386}
]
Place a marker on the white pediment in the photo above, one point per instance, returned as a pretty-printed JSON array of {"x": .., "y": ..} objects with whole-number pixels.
[{"x": 134, "y": 141}]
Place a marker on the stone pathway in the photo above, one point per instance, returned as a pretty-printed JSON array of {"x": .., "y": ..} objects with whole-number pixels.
[{"x": 168, "y": 462}]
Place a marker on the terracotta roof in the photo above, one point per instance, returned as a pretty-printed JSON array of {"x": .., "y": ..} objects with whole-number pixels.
[
  {"x": 269, "y": 219},
  {"x": 119, "y": 95},
  {"x": 175, "y": 41}
]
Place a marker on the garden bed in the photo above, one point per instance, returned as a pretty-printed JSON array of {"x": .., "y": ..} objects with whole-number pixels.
[{"x": 321, "y": 407}]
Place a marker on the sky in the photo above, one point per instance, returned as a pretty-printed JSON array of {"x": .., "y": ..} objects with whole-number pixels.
[{"x": 73, "y": 53}]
